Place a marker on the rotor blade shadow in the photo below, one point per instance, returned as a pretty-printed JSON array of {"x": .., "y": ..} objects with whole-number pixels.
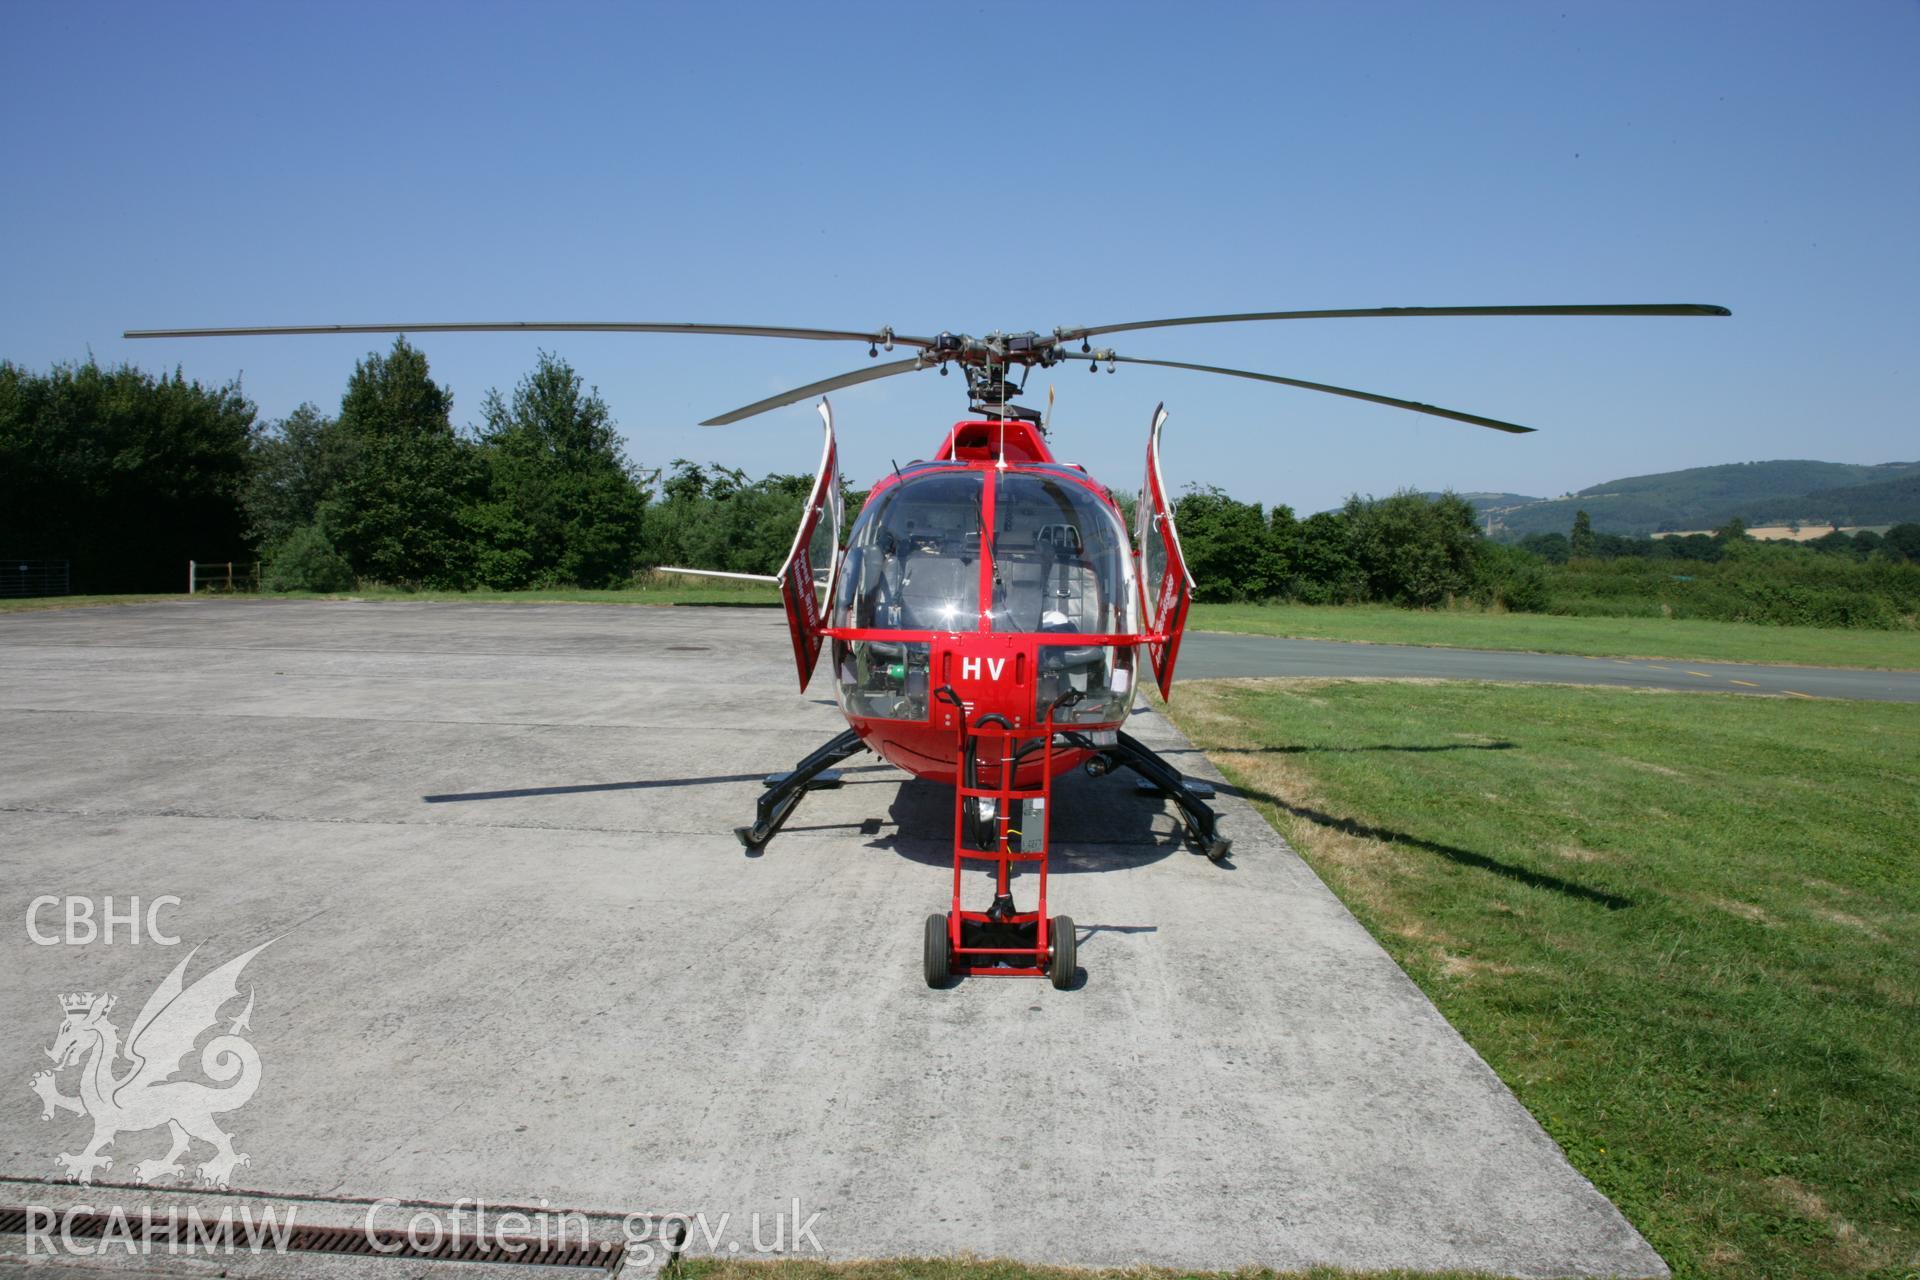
[
  {"x": 1295, "y": 749},
  {"x": 1086, "y": 931},
  {"x": 645, "y": 784},
  {"x": 1452, "y": 853}
]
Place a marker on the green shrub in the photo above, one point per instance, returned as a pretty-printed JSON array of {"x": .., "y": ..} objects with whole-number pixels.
[
  {"x": 306, "y": 561},
  {"x": 1525, "y": 590},
  {"x": 1764, "y": 583}
]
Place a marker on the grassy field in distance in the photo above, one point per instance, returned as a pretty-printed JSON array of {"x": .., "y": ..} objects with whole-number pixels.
[
  {"x": 34, "y": 604},
  {"x": 1681, "y": 927},
  {"x": 663, "y": 590},
  {"x": 1693, "y": 639}
]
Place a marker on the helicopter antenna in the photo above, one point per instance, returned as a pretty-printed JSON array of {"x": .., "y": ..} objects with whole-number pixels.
[{"x": 984, "y": 362}]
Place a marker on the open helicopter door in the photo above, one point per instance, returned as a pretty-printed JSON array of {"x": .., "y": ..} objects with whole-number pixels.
[
  {"x": 1167, "y": 589},
  {"x": 806, "y": 579}
]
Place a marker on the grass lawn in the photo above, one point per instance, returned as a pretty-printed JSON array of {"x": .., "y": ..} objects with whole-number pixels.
[
  {"x": 1547, "y": 633},
  {"x": 663, "y": 591},
  {"x": 34, "y": 604},
  {"x": 1682, "y": 927}
]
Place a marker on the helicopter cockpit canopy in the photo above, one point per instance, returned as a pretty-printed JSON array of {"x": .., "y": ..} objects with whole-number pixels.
[
  {"x": 1057, "y": 564},
  {"x": 913, "y": 557},
  {"x": 1060, "y": 558}
]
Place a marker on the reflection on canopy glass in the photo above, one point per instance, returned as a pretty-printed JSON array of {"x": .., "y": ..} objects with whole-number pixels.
[
  {"x": 913, "y": 559},
  {"x": 1060, "y": 558}
]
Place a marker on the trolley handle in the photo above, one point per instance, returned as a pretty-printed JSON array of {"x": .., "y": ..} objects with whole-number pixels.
[{"x": 946, "y": 694}]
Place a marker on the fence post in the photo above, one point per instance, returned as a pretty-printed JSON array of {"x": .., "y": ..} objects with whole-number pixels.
[{"x": 190, "y": 575}]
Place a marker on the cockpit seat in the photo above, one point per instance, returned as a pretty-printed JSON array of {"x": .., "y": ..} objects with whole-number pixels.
[
  {"x": 1071, "y": 588},
  {"x": 932, "y": 587}
]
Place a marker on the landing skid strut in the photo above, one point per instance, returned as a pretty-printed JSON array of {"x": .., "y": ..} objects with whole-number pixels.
[
  {"x": 816, "y": 772},
  {"x": 1189, "y": 794},
  {"x": 784, "y": 790}
]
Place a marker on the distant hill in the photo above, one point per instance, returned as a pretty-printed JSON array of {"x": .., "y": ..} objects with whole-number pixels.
[
  {"x": 1893, "y": 501},
  {"x": 1484, "y": 502},
  {"x": 1759, "y": 493}
]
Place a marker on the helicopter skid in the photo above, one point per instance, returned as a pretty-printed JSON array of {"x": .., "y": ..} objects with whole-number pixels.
[
  {"x": 1157, "y": 777},
  {"x": 783, "y": 790}
]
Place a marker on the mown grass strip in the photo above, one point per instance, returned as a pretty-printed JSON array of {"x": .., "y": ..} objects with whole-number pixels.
[
  {"x": 1682, "y": 927},
  {"x": 664, "y": 591},
  {"x": 1691, "y": 640}
]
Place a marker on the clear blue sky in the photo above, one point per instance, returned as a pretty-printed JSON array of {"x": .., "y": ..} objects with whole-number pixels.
[{"x": 1012, "y": 166}]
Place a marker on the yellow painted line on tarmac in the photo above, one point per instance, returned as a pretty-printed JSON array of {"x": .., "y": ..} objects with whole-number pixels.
[
  {"x": 1657, "y": 667},
  {"x": 1622, "y": 662},
  {"x": 1749, "y": 683},
  {"x": 1795, "y": 693},
  {"x": 1703, "y": 675}
]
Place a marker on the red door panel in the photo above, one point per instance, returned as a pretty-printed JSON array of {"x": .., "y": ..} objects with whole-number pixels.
[
  {"x": 1167, "y": 589},
  {"x": 806, "y": 579}
]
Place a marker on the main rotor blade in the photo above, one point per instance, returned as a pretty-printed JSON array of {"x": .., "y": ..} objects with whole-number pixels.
[
  {"x": 1389, "y": 401},
  {"x": 825, "y": 385},
  {"x": 1620, "y": 309},
  {"x": 547, "y": 326}
]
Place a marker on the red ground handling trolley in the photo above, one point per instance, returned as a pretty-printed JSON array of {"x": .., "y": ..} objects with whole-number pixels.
[{"x": 1001, "y": 808}]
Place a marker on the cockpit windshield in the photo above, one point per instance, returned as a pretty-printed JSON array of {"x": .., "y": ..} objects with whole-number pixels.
[
  {"x": 913, "y": 558},
  {"x": 1061, "y": 568},
  {"x": 1061, "y": 559}
]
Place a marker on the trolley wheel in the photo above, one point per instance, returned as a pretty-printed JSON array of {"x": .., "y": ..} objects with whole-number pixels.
[
  {"x": 1219, "y": 849},
  {"x": 1061, "y": 968},
  {"x": 937, "y": 951}
]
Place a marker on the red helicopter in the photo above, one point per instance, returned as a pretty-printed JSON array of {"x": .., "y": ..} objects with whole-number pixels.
[{"x": 985, "y": 613}]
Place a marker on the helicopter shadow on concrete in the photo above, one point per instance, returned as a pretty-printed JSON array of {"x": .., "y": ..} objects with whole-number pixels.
[{"x": 1099, "y": 824}]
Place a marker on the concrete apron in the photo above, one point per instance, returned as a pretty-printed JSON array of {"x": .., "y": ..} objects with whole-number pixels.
[{"x": 518, "y": 956}]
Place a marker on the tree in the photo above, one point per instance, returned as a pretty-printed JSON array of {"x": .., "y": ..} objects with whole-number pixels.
[
  {"x": 1580, "y": 542},
  {"x": 1228, "y": 546},
  {"x": 1283, "y": 544},
  {"x": 1832, "y": 542},
  {"x": 1514, "y": 577},
  {"x": 1905, "y": 540},
  {"x": 1554, "y": 548},
  {"x": 293, "y": 465},
  {"x": 1325, "y": 570},
  {"x": 1413, "y": 550},
  {"x": 396, "y": 514},
  {"x": 562, "y": 502},
  {"x": 124, "y": 474},
  {"x": 1695, "y": 546}
]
